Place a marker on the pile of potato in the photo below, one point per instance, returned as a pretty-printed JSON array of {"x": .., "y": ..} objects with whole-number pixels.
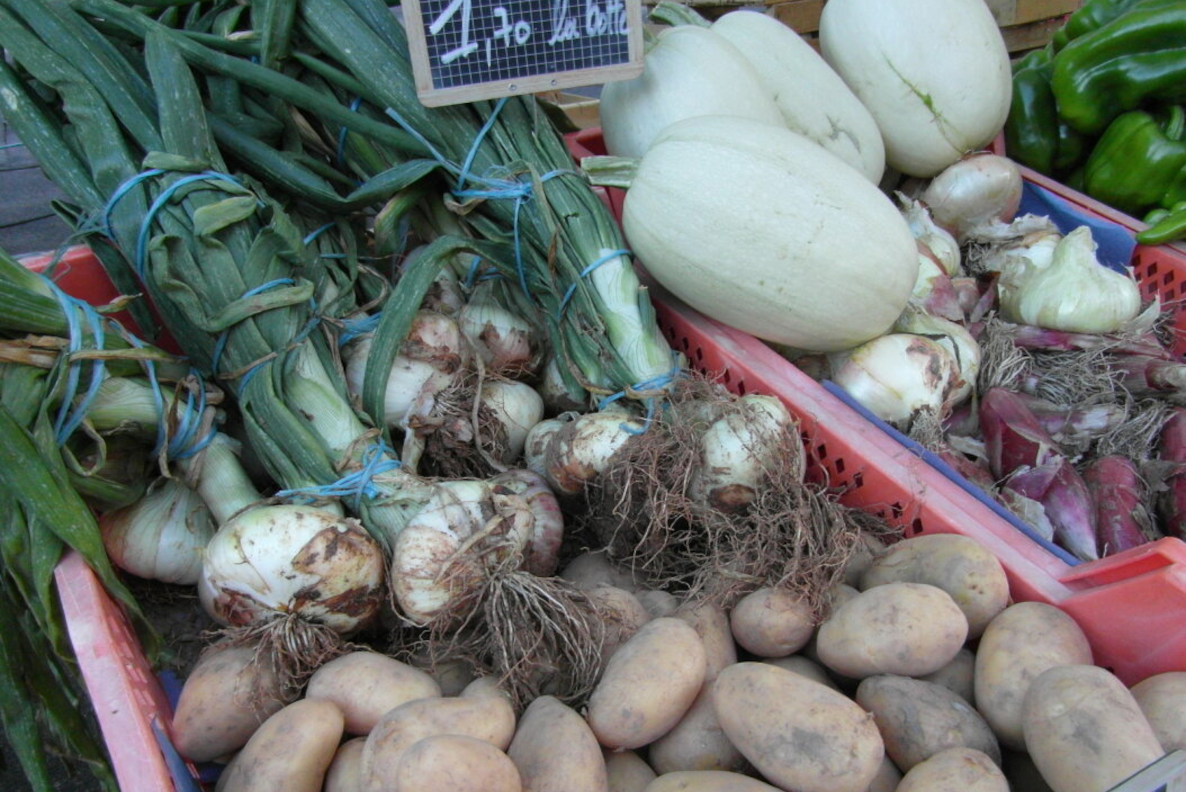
[{"x": 924, "y": 678}]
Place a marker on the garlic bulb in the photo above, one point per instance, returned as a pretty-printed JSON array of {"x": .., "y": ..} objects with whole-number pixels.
[
  {"x": 1074, "y": 292},
  {"x": 278, "y": 560},
  {"x": 162, "y": 535},
  {"x": 898, "y": 376}
]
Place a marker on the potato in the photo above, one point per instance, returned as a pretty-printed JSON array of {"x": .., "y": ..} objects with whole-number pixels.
[
  {"x": 1021, "y": 772},
  {"x": 799, "y": 734},
  {"x": 345, "y": 771},
  {"x": 452, "y": 676},
  {"x": 626, "y": 771},
  {"x": 958, "y": 676},
  {"x": 481, "y": 712},
  {"x": 712, "y": 624},
  {"x": 555, "y": 750},
  {"x": 867, "y": 551},
  {"x": 623, "y": 614},
  {"x": 887, "y": 779},
  {"x": 291, "y": 750},
  {"x": 919, "y": 719},
  {"x": 658, "y": 603},
  {"x": 1084, "y": 729},
  {"x": 697, "y": 742},
  {"x": 457, "y": 763},
  {"x": 366, "y": 685},
  {"x": 804, "y": 666},
  {"x": 1022, "y": 641},
  {"x": 955, "y": 770},
  {"x": 485, "y": 686},
  {"x": 224, "y": 700},
  {"x": 1162, "y": 697},
  {"x": 959, "y": 565},
  {"x": 708, "y": 781},
  {"x": 908, "y": 629},
  {"x": 771, "y": 622},
  {"x": 593, "y": 568}
]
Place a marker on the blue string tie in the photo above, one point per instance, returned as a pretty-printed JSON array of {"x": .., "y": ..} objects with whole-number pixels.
[
  {"x": 70, "y": 415},
  {"x": 613, "y": 254},
  {"x": 358, "y": 326},
  {"x": 377, "y": 459},
  {"x": 654, "y": 383},
  {"x": 354, "y": 105}
]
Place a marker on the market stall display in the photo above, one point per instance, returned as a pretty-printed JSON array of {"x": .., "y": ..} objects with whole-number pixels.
[{"x": 468, "y": 497}]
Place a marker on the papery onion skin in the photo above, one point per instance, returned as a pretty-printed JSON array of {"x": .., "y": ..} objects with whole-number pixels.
[
  {"x": 161, "y": 536},
  {"x": 547, "y": 534},
  {"x": 978, "y": 190},
  {"x": 288, "y": 559},
  {"x": 898, "y": 375}
]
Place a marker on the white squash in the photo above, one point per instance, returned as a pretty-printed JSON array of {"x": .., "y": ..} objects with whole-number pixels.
[
  {"x": 812, "y": 98},
  {"x": 758, "y": 227},
  {"x": 689, "y": 71},
  {"x": 934, "y": 74}
]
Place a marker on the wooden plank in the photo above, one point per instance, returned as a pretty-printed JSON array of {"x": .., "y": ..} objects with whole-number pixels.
[
  {"x": 801, "y": 16},
  {"x": 1018, "y": 12},
  {"x": 1031, "y": 35}
]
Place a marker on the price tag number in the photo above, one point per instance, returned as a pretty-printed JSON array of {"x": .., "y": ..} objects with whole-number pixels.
[{"x": 509, "y": 32}]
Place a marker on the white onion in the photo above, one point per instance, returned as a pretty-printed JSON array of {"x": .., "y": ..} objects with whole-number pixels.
[
  {"x": 547, "y": 531},
  {"x": 161, "y": 536},
  {"x": 580, "y": 451},
  {"x": 506, "y": 342},
  {"x": 956, "y": 339},
  {"x": 517, "y": 407},
  {"x": 981, "y": 189},
  {"x": 937, "y": 240},
  {"x": 897, "y": 376},
  {"x": 299, "y": 560},
  {"x": 738, "y": 451},
  {"x": 443, "y": 555}
]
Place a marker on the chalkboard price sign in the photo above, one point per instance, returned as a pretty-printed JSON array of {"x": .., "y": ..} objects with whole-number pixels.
[{"x": 465, "y": 50}]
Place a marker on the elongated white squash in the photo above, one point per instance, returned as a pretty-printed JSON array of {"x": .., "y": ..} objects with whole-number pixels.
[
  {"x": 934, "y": 74},
  {"x": 760, "y": 228},
  {"x": 813, "y": 99},
  {"x": 689, "y": 71}
]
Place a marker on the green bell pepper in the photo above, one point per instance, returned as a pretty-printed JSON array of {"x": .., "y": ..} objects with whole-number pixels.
[
  {"x": 1035, "y": 136},
  {"x": 1136, "y": 57},
  {"x": 1090, "y": 16},
  {"x": 1165, "y": 227},
  {"x": 1139, "y": 162}
]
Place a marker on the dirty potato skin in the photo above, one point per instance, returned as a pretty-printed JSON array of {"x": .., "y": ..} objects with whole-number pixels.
[
  {"x": 1020, "y": 643},
  {"x": 344, "y": 771},
  {"x": 556, "y": 751},
  {"x": 455, "y": 763},
  {"x": 1162, "y": 697},
  {"x": 963, "y": 769},
  {"x": 626, "y": 771},
  {"x": 708, "y": 781},
  {"x": 648, "y": 684},
  {"x": 366, "y": 685},
  {"x": 797, "y": 733},
  {"x": 225, "y": 699},
  {"x": 292, "y": 750},
  {"x": 1084, "y": 729},
  {"x": 918, "y": 719},
  {"x": 908, "y": 629}
]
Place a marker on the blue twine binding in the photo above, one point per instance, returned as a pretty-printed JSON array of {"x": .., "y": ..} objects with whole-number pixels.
[
  {"x": 573, "y": 287},
  {"x": 654, "y": 383},
  {"x": 353, "y": 328},
  {"x": 354, "y": 105},
  {"x": 378, "y": 458},
  {"x": 71, "y": 416}
]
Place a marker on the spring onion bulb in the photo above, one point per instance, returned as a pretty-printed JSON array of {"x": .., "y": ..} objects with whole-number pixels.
[
  {"x": 281, "y": 560},
  {"x": 515, "y": 408},
  {"x": 1074, "y": 292},
  {"x": 898, "y": 377},
  {"x": 539, "y": 442},
  {"x": 430, "y": 360},
  {"x": 465, "y": 530},
  {"x": 979, "y": 190},
  {"x": 162, "y": 535},
  {"x": 556, "y": 394},
  {"x": 506, "y": 342},
  {"x": 740, "y": 449},
  {"x": 542, "y": 555},
  {"x": 579, "y": 451},
  {"x": 933, "y": 289}
]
